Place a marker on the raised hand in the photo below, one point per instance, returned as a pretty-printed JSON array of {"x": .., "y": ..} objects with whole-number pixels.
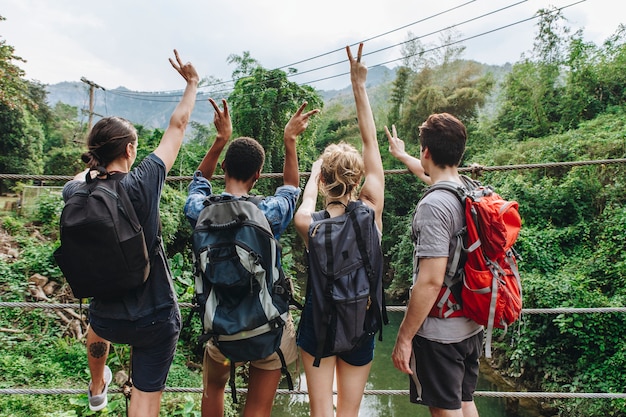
[
  {"x": 396, "y": 145},
  {"x": 222, "y": 121},
  {"x": 299, "y": 122},
  {"x": 188, "y": 71},
  {"x": 358, "y": 71}
]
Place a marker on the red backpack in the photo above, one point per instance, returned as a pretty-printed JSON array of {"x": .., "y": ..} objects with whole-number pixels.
[{"x": 487, "y": 281}]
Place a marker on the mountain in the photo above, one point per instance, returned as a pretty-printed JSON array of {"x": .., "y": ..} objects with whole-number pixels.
[
  {"x": 153, "y": 110},
  {"x": 376, "y": 76}
]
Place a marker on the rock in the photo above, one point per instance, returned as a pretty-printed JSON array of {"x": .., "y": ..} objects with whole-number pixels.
[
  {"x": 50, "y": 288},
  {"x": 37, "y": 293},
  {"x": 38, "y": 280},
  {"x": 120, "y": 378}
]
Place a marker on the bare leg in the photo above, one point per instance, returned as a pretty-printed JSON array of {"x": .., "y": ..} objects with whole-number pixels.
[
  {"x": 261, "y": 392},
  {"x": 469, "y": 409},
  {"x": 215, "y": 378},
  {"x": 440, "y": 412},
  {"x": 97, "y": 353},
  {"x": 320, "y": 384},
  {"x": 351, "y": 382},
  {"x": 144, "y": 404}
]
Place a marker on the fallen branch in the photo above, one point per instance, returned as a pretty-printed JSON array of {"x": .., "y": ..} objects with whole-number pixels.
[{"x": 6, "y": 330}]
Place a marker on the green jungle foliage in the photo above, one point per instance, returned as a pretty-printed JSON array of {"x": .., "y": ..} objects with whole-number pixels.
[{"x": 563, "y": 103}]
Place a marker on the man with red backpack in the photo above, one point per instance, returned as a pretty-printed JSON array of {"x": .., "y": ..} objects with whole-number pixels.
[{"x": 439, "y": 352}]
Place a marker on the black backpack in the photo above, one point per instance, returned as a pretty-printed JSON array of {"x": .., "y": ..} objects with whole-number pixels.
[
  {"x": 242, "y": 294},
  {"x": 345, "y": 279},
  {"x": 103, "y": 250}
]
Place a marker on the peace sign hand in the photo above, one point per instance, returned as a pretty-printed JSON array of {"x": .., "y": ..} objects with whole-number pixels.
[
  {"x": 299, "y": 122},
  {"x": 358, "y": 71},
  {"x": 188, "y": 71}
]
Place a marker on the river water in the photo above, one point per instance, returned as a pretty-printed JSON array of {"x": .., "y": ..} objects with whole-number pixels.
[{"x": 384, "y": 376}]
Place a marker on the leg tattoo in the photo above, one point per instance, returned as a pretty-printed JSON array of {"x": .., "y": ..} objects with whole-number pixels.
[{"x": 98, "y": 349}]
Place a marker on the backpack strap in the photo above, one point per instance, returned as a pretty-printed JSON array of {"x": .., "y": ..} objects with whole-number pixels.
[
  {"x": 328, "y": 291},
  {"x": 368, "y": 268},
  {"x": 131, "y": 215},
  {"x": 231, "y": 382},
  {"x": 454, "y": 273},
  {"x": 284, "y": 369},
  {"x": 321, "y": 339}
]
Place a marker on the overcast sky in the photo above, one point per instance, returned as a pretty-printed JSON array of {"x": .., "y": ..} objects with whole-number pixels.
[{"x": 126, "y": 43}]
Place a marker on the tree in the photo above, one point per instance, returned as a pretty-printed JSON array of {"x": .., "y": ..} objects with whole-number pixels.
[
  {"x": 194, "y": 149},
  {"x": 245, "y": 64},
  {"x": 63, "y": 128},
  {"x": 450, "y": 50},
  {"x": 64, "y": 161},
  {"x": 262, "y": 103},
  {"x": 21, "y": 144},
  {"x": 459, "y": 87},
  {"x": 533, "y": 89},
  {"x": 14, "y": 90},
  {"x": 398, "y": 93},
  {"x": 23, "y": 111},
  {"x": 414, "y": 54},
  {"x": 611, "y": 69}
]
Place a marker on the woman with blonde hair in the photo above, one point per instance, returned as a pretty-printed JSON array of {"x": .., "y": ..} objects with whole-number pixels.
[{"x": 337, "y": 175}]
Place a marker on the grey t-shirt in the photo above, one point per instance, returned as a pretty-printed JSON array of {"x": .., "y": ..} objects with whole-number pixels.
[{"x": 438, "y": 216}]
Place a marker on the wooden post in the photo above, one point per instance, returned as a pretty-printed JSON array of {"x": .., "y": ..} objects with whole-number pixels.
[{"x": 92, "y": 87}]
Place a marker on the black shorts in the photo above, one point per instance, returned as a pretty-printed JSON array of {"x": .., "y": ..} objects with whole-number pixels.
[
  {"x": 153, "y": 340},
  {"x": 444, "y": 375}
]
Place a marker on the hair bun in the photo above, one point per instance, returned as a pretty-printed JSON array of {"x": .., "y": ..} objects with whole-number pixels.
[{"x": 90, "y": 158}]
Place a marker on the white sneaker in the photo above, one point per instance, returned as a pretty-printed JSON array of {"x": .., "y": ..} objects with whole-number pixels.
[{"x": 98, "y": 402}]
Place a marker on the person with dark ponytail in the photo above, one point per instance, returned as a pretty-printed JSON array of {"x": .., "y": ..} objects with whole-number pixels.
[
  {"x": 146, "y": 318},
  {"x": 107, "y": 141}
]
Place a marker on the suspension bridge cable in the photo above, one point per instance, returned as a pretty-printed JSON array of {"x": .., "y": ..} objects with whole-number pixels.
[
  {"x": 395, "y": 392},
  {"x": 553, "y": 310},
  {"x": 474, "y": 169}
]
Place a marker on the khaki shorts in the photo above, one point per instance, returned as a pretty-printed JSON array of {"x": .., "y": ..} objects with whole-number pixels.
[{"x": 287, "y": 346}]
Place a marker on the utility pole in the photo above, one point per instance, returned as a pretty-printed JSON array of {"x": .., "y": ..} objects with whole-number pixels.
[{"x": 92, "y": 87}]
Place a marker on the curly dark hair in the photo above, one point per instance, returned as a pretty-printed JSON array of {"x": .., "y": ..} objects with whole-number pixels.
[{"x": 244, "y": 157}]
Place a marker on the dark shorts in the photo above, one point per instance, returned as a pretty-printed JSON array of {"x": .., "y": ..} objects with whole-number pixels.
[
  {"x": 153, "y": 340},
  {"x": 362, "y": 355},
  {"x": 444, "y": 375}
]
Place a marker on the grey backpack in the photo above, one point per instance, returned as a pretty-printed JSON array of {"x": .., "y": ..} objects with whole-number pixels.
[{"x": 345, "y": 279}]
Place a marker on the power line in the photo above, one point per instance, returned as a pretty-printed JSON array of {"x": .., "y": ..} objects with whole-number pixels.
[
  {"x": 452, "y": 43},
  {"x": 336, "y": 50},
  {"x": 225, "y": 92},
  {"x": 433, "y": 48},
  {"x": 382, "y": 34},
  {"x": 341, "y": 49},
  {"x": 174, "y": 96}
]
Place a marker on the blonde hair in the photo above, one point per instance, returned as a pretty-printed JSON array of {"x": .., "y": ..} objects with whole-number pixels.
[{"x": 341, "y": 170}]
